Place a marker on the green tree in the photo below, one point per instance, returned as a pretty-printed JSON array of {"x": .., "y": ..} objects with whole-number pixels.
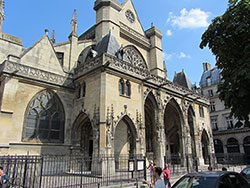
[
  {"x": 228, "y": 37},
  {"x": 234, "y": 2}
]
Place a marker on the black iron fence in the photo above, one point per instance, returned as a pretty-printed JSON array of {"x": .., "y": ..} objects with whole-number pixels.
[
  {"x": 77, "y": 171},
  {"x": 233, "y": 158}
]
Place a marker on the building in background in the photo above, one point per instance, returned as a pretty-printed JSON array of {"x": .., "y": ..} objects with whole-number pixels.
[
  {"x": 227, "y": 138},
  {"x": 103, "y": 92}
]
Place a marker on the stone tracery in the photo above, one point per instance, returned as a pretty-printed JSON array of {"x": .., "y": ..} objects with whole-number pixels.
[{"x": 133, "y": 56}]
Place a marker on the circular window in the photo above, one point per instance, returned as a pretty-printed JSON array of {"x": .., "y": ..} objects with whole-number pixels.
[{"x": 130, "y": 16}]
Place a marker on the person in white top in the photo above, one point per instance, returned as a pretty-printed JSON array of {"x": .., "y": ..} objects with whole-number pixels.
[{"x": 159, "y": 182}]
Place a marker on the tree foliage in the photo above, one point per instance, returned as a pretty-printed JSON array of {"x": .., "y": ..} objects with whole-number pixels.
[
  {"x": 234, "y": 2},
  {"x": 228, "y": 37}
]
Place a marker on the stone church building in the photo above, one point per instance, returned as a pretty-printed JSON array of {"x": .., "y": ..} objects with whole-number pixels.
[{"x": 103, "y": 92}]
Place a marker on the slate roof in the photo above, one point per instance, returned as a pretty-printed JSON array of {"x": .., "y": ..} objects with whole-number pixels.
[
  {"x": 214, "y": 74},
  {"x": 182, "y": 79},
  {"x": 108, "y": 44}
]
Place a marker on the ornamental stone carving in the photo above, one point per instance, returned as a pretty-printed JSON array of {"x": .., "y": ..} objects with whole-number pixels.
[
  {"x": 133, "y": 56},
  {"x": 34, "y": 73}
]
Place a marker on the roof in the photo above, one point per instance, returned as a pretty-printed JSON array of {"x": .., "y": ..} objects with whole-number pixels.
[
  {"x": 182, "y": 79},
  {"x": 214, "y": 74},
  {"x": 108, "y": 44}
]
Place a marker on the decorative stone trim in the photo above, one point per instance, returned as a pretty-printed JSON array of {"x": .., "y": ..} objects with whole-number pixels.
[
  {"x": 154, "y": 31},
  {"x": 134, "y": 33},
  {"x": 113, "y": 3},
  {"x": 34, "y": 73},
  {"x": 106, "y": 60}
]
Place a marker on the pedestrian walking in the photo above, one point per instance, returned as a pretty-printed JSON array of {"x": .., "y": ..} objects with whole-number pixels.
[
  {"x": 166, "y": 175},
  {"x": 4, "y": 182},
  {"x": 151, "y": 167},
  {"x": 159, "y": 182}
]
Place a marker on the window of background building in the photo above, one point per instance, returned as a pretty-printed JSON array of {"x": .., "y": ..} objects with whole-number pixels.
[
  {"x": 218, "y": 146},
  {"x": 209, "y": 81},
  {"x": 229, "y": 123},
  {"x": 233, "y": 146},
  {"x": 201, "y": 110},
  {"x": 210, "y": 93},
  {"x": 214, "y": 124},
  {"x": 212, "y": 106}
]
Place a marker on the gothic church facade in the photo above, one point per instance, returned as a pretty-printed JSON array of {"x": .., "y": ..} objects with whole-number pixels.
[{"x": 102, "y": 92}]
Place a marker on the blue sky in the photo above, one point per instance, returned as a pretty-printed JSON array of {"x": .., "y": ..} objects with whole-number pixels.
[{"x": 182, "y": 23}]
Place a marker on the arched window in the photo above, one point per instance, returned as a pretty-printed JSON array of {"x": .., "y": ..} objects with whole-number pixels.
[
  {"x": 218, "y": 146},
  {"x": 78, "y": 91},
  {"x": 233, "y": 146},
  {"x": 83, "y": 89},
  {"x": 128, "y": 88},
  {"x": 121, "y": 87},
  {"x": 44, "y": 119},
  {"x": 133, "y": 56},
  {"x": 246, "y": 144}
]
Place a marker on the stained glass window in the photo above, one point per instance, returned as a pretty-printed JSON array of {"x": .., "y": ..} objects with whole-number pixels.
[{"x": 45, "y": 118}]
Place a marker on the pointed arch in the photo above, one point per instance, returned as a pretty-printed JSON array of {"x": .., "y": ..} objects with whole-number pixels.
[
  {"x": 150, "y": 108},
  {"x": 82, "y": 134},
  {"x": 173, "y": 126},
  {"x": 126, "y": 117},
  {"x": 86, "y": 54},
  {"x": 125, "y": 135},
  {"x": 44, "y": 118},
  {"x": 176, "y": 106},
  {"x": 132, "y": 55},
  {"x": 205, "y": 146}
]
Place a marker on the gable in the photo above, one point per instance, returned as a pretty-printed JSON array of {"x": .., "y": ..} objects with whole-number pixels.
[
  {"x": 42, "y": 56},
  {"x": 136, "y": 25}
]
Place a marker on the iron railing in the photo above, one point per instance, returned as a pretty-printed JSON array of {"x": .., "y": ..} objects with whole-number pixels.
[{"x": 77, "y": 171}]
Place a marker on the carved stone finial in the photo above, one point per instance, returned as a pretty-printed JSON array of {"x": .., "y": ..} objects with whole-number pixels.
[
  {"x": 125, "y": 108},
  {"x": 46, "y": 31},
  {"x": 53, "y": 40},
  {"x": 73, "y": 24},
  {"x": 1, "y": 13}
]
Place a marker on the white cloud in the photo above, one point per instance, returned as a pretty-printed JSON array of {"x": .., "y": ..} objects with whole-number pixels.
[
  {"x": 195, "y": 18},
  {"x": 182, "y": 55},
  {"x": 167, "y": 56},
  {"x": 169, "y": 32}
]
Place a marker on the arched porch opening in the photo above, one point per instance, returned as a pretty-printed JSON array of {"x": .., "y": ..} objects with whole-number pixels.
[
  {"x": 82, "y": 136},
  {"x": 173, "y": 130},
  {"x": 152, "y": 144},
  {"x": 124, "y": 143},
  {"x": 205, "y": 146}
]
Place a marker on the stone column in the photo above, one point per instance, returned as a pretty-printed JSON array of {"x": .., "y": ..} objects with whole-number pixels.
[
  {"x": 241, "y": 147},
  {"x": 160, "y": 139}
]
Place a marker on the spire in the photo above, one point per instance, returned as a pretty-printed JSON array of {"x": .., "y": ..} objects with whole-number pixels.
[
  {"x": 53, "y": 40},
  {"x": 1, "y": 13},
  {"x": 74, "y": 24}
]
